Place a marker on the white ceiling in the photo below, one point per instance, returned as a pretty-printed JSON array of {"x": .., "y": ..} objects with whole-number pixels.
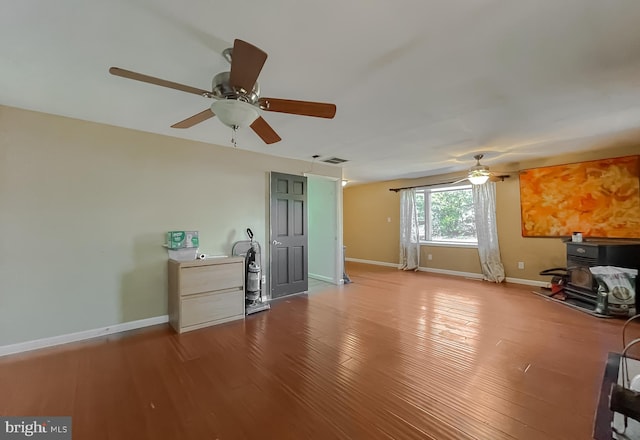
[{"x": 420, "y": 85}]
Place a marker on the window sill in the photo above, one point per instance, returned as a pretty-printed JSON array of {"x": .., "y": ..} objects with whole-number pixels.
[{"x": 449, "y": 244}]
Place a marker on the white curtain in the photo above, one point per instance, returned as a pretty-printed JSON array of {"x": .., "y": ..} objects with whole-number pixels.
[
  {"x": 409, "y": 239},
  {"x": 484, "y": 202}
]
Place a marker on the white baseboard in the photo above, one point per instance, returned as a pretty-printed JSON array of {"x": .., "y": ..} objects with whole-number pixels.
[
  {"x": 80, "y": 336},
  {"x": 479, "y": 276},
  {"x": 475, "y": 276},
  {"x": 456, "y": 273},
  {"x": 376, "y": 263},
  {"x": 321, "y": 278},
  {"x": 527, "y": 282}
]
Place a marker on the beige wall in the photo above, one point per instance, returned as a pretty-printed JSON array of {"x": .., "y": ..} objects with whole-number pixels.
[
  {"x": 369, "y": 237},
  {"x": 83, "y": 212},
  {"x": 367, "y": 232},
  {"x": 459, "y": 259}
]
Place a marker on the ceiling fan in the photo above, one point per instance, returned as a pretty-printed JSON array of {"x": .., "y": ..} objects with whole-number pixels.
[
  {"x": 479, "y": 174},
  {"x": 236, "y": 95}
]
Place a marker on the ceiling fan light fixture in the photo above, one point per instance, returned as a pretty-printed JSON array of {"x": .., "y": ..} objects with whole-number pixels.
[
  {"x": 478, "y": 179},
  {"x": 234, "y": 113},
  {"x": 478, "y": 174}
]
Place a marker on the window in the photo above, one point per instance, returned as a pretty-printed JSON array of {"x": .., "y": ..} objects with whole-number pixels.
[{"x": 445, "y": 215}]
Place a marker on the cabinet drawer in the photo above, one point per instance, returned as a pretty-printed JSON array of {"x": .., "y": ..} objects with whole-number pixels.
[
  {"x": 211, "y": 307},
  {"x": 200, "y": 279},
  {"x": 582, "y": 250}
]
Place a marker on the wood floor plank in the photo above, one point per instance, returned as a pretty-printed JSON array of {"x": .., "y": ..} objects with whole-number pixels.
[{"x": 393, "y": 355}]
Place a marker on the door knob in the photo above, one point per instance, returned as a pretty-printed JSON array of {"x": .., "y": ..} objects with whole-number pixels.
[{"x": 276, "y": 242}]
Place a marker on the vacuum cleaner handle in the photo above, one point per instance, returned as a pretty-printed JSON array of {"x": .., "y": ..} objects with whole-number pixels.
[
  {"x": 555, "y": 271},
  {"x": 250, "y": 233}
]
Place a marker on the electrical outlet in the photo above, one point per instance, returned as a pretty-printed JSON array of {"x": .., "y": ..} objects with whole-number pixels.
[
  {"x": 520, "y": 264},
  {"x": 388, "y": 219},
  {"x": 429, "y": 257},
  {"x": 264, "y": 279}
]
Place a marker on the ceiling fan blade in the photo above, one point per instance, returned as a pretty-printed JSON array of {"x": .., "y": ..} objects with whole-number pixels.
[
  {"x": 157, "y": 81},
  {"x": 246, "y": 64},
  {"x": 195, "y": 119},
  {"x": 458, "y": 181},
  {"x": 264, "y": 130},
  {"x": 498, "y": 177},
  {"x": 304, "y": 108}
]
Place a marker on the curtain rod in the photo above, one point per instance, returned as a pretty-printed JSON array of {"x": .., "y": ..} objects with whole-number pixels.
[
  {"x": 501, "y": 177},
  {"x": 422, "y": 186}
]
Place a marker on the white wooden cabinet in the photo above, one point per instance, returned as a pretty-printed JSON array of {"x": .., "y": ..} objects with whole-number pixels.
[{"x": 205, "y": 292}]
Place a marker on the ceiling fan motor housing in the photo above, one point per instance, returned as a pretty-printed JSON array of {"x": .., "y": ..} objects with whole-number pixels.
[
  {"x": 478, "y": 170},
  {"x": 222, "y": 89}
]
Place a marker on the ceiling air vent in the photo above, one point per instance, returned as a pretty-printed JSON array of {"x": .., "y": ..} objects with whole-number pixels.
[{"x": 335, "y": 160}]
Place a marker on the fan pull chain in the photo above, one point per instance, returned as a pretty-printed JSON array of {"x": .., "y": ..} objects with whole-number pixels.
[{"x": 234, "y": 135}]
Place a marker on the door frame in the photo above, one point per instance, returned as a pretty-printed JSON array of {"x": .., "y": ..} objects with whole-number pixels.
[{"x": 339, "y": 249}]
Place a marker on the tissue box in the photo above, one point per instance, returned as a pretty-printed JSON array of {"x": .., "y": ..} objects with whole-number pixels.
[{"x": 182, "y": 239}]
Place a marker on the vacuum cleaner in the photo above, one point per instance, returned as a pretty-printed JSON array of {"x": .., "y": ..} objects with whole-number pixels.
[{"x": 251, "y": 251}]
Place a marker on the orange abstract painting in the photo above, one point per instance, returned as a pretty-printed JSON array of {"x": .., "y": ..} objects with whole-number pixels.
[{"x": 599, "y": 198}]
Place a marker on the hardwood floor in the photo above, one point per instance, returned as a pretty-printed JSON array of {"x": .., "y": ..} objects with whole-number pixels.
[{"x": 394, "y": 355}]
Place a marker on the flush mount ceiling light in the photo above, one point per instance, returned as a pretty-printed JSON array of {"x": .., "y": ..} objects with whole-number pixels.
[{"x": 478, "y": 174}]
